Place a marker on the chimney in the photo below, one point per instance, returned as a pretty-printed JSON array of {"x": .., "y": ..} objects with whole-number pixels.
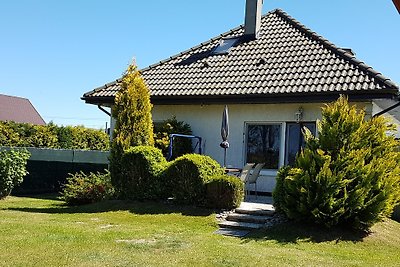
[{"x": 252, "y": 21}]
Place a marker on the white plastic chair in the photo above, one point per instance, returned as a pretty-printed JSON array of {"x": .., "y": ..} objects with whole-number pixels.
[
  {"x": 254, "y": 176},
  {"x": 244, "y": 175}
]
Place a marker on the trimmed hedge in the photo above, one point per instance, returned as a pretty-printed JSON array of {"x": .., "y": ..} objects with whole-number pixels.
[
  {"x": 84, "y": 189},
  {"x": 224, "y": 192},
  {"x": 137, "y": 173},
  {"x": 142, "y": 173},
  {"x": 14, "y": 134},
  {"x": 188, "y": 175}
]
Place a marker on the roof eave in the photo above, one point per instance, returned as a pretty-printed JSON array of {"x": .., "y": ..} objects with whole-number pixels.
[{"x": 255, "y": 98}]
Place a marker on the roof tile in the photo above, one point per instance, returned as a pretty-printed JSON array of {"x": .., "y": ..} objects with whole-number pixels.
[{"x": 287, "y": 58}]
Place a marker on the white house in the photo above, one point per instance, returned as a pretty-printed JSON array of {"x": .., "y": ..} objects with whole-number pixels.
[{"x": 273, "y": 73}]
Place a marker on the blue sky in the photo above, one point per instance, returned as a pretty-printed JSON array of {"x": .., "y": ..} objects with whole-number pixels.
[{"x": 52, "y": 52}]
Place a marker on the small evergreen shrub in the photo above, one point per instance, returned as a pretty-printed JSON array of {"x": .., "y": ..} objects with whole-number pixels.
[
  {"x": 181, "y": 145},
  {"x": 224, "y": 192},
  {"x": 188, "y": 175},
  {"x": 137, "y": 174},
  {"x": 12, "y": 170},
  {"x": 84, "y": 188},
  {"x": 349, "y": 175}
]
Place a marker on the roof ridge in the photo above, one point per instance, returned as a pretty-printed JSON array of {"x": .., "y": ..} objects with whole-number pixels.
[
  {"x": 13, "y": 96},
  {"x": 339, "y": 51}
]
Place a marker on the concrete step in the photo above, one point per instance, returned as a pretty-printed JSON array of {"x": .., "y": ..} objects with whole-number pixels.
[
  {"x": 242, "y": 217},
  {"x": 259, "y": 209},
  {"x": 240, "y": 225}
]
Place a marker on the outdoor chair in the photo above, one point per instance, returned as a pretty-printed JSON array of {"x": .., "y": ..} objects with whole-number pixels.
[
  {"x": 254, "y": 176},
  {"x": 244, "y": 175}
]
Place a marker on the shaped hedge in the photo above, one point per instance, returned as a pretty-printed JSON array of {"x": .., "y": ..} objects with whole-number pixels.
[{"x": 188, "y": 175}]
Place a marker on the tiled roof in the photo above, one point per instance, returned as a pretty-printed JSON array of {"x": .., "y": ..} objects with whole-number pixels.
[
  {"x": 287, "y": 60},
  {"x": 19, "y": 109}
]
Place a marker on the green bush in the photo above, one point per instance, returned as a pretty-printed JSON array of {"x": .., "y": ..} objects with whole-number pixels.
[
  {"x": 14, "y": 134},
  {"x": 12, "y": 170},
  {"x": 84, "y": 189},
  {"x": 224, "y": 192},
  {"x": 137, "y": 174},
  {"x": 181, "y": 145},
  {"x": 349, "y": 175},
  {"x": 187, "y": 177}
]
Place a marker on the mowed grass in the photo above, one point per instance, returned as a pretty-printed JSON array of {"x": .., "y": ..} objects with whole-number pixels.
[{"x": 41, "y": 231}]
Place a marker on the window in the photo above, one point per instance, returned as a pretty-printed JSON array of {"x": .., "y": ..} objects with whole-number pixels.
[
  {"x": 295, "y": 139},
  {"x": 263, "y": 142},
  {"x": 225, "y": 45}
]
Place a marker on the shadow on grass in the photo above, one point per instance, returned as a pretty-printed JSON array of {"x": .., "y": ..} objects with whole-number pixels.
[
  {"x": 295, "y": 232},
  {"x": 136, "y": 207}
]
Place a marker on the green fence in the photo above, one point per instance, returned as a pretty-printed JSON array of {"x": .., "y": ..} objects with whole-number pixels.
[{"x": 49, "y": 168}]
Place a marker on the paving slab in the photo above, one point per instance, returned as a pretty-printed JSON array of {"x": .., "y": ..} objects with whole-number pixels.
[{"x": 232, "y": 232}]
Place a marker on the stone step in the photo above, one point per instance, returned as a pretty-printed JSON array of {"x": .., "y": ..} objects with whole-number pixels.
[
  {"x": 255, "y": 209},
  {"x": 242, "y": 217},
  {"x": 240, "y": 225},
  {"x": 232, "y": 232}
]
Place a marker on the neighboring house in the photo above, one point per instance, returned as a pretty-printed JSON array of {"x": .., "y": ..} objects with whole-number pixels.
[
  {"x": 273, "y": 73},
  {"x": 19, "y": 109}
]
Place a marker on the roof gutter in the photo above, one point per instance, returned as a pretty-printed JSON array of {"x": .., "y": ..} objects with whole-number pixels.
[{"x": 386, "y": 110}]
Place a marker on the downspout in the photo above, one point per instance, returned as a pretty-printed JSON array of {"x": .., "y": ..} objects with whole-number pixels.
[
  {"x": 105, "y": 111},
  {"x": 109, "y": 114}
]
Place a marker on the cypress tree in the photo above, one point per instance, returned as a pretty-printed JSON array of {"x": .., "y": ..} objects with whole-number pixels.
[
  {"x": 349, "y": 174},
  {"x": 133, "y": 127},
  {"x": 132, "y": 112}
]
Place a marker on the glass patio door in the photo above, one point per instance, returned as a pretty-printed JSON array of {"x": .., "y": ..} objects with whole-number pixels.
[{"x": 295, "y": 139}]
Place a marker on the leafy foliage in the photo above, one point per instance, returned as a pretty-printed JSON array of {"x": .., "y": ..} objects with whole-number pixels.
[
  {"x": 224, "y": 192},
  {"x": 14, "y": 134},
  {"x": 12, "y": 170},
  {"x": 137, "y": 174},
  {"x": 349, "y": 175},
  {"x": 170, "y": 126},
  {"x": 188, "y": 175},
  {"x": 84, "y": 189}
]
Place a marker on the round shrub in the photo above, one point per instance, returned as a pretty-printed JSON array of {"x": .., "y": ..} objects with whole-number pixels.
[
  {"x": 224, "y": 192},
  {"x": 84, "y": 188},
  {"x": 188, "y": 175},
  {"x": 12, "y": 170},
  {"x": 349, "y": 175},
  {"x": 136, "y": 173}
]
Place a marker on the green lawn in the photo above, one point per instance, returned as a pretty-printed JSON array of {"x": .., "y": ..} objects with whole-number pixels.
[{"x": 42, "y": 232}]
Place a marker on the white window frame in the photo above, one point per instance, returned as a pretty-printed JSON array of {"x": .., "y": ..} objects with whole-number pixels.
[{"x": 266, "y": 172}]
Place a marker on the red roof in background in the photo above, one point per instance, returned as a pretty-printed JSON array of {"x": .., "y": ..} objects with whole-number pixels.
[
  {"x": 19, "y": 109},
  {"x": 397, "y": 4}
]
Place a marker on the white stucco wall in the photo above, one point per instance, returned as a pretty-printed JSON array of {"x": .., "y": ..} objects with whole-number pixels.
[{"x": 205, "y": 121}]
